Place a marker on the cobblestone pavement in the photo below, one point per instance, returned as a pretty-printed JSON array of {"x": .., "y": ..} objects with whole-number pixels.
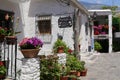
[{"x": 105, "y": 67}]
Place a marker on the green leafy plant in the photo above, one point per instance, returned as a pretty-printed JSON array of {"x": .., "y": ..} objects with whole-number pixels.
[
  {"x": 2, "y": 68},
  {"x": 97, "y": 46},
  {"x": 60, "y": 44},
  {"x": 50, "y": 69},
  {"x": 3, "y": 31},
  {"x": 74, "y": 63}
]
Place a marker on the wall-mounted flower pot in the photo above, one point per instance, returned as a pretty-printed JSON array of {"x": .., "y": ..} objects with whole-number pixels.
[
  {"x": 10, "y": 40},
  {"x": 2, "y": 38}
]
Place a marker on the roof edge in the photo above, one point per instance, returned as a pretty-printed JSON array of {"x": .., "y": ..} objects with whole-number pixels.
[{"x": 80, "y": 6}]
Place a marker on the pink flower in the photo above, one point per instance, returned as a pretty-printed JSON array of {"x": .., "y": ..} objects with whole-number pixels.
[
  {"x": 30, "y": 43},
  {"x": 23, "y": 41}
]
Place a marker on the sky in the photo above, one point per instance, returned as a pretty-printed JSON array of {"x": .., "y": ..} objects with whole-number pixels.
[{"x": 108, "y": 2}]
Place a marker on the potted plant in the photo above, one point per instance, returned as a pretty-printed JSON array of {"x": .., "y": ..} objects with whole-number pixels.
[
  {"x": 65, "y": 70},
  {"x": 2, "y": 34},
  {"x": 11, "y": 33},
  {"x": 49, "y": 69},
  {"x": 83, "y": 71},
  {"x": 60, "y": 47},
  {"x": 30, "y": 47},
  {"x": 2, "y": 70},
  {"x": 75, "y": 65}
]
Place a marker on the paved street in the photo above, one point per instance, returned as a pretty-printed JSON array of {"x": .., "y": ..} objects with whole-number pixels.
[{"x": 104, "y": 67}]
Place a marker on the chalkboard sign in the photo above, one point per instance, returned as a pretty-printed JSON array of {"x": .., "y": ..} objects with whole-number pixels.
[{"x": 64, "y": 22}]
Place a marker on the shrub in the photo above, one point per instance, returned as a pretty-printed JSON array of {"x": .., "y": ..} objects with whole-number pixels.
[{"x": 97, "y": 46}]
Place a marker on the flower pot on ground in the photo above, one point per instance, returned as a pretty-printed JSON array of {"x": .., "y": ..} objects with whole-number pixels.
[
  {"x": 2, "y": 77},
  {"x": 30, "y": 47},
  {"x": 64, "y": 78},
  {"x": 83, "y": 72},
  {"x": 72, "y": 77}
]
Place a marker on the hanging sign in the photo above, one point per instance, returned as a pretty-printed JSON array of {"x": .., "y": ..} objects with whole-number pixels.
[{"x": 64, "y": 22}]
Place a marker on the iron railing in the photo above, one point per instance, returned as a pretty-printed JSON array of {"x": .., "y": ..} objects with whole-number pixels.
[{"x": 8, "y": 54}]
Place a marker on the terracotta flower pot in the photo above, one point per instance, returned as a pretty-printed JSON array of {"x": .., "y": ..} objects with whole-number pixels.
[
  {"x": 2, "y": 76},
  {"x": 2, "y": 38},
  {"x": 78, "y": 74},
  {"x": 83, "y": 73},
  {"x": 30, "y": 53},
  {"x": 64, "y": 78},
  {"x": 60, "y": 49},
  {"x": 73, "y": 79},
  {"x": 11, "y": 40},
  {"x": 73, "y": 72}
]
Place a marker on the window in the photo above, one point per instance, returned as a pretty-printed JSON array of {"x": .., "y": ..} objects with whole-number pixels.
[
  {"x": 6, "y": 19},
  {"x": 44, "y": 28}
]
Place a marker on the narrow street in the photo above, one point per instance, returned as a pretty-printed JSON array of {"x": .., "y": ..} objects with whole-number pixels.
[{"x": 104, "y": 67}]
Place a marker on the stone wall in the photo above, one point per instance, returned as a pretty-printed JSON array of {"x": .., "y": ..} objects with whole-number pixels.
[{"x": 30, "y": 69}]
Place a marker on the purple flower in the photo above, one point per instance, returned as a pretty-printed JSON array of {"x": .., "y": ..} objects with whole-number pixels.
[{"x": 31, "y": 43}]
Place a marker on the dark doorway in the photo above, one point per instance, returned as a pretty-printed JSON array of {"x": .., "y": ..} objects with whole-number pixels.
[{"x": 105, "y": 45}]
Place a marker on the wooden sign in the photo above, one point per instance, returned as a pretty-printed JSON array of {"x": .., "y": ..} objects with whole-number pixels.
[{"x": 64, "y": 22}]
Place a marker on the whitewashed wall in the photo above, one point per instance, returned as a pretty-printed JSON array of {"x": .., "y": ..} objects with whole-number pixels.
[
  {"x": 27, "y": 11},
  {"x": 42, "y": 7}
]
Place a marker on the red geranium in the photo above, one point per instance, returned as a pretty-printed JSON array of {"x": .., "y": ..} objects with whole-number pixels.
[
  {"x": 70, "y": 51},
  {"x": 1, "y": 63},
  {"x": 2, "y": 68}
]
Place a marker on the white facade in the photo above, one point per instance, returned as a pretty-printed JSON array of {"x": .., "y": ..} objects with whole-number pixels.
[{"x": 28, "y": 9}]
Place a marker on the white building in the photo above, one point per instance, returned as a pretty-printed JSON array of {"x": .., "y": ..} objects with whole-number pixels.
[{"x": 36, "y": 13}]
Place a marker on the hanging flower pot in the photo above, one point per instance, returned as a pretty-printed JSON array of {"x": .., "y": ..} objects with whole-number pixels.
[
  {"x": 30, "y": 53},
  {"x": 11, "y": 40},
  {"x": 2, "y": 38}
]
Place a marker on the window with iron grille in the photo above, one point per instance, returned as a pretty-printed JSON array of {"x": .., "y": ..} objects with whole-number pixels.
[{"x": 44, "y": 28}]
